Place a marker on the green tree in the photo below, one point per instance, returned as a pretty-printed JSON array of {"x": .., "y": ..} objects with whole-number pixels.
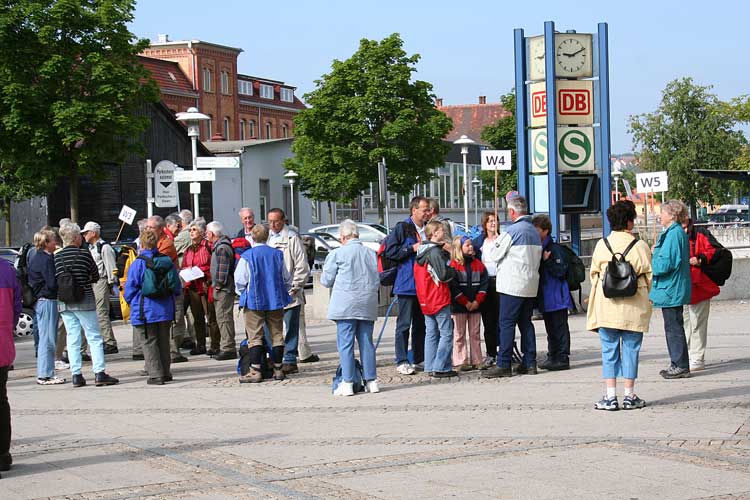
[
  {"x": 502, "y": 135},
  {"x": 70, "y": 83},
  {"x": 691, "y": 128},
  {"x": 366, "y": 109}
]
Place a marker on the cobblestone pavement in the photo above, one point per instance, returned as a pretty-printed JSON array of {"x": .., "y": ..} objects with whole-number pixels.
[{"x": 205, "y": 436}]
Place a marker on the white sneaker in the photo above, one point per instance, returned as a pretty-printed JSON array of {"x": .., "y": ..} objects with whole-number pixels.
[
  {"x": 696, "y": 366},
  {"x": 61, "y": 365},
  {"x": 344, "y": 389},
  {"x": 373, "y": 387},
  {"x": 50, "y": 381},
  {"x": 405, "y": 369}
]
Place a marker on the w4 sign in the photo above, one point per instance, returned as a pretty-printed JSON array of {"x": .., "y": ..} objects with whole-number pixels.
[{"x": 496, "y": 159}]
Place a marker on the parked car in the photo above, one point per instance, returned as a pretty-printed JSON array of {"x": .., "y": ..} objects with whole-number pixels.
[
  {"x": 379, "y": 227},
  {"x": 9, "y": 254},
  {"x": 317, "y": 246},
  {"x": 368, "y": 235}
]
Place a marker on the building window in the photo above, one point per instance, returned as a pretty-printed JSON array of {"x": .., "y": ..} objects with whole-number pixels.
[
  {"x": 266, "y": 91},
  {"x": 251, "y": 126},
  {"x": 225, "y": 82},
  {"x": 284, "y": 131},
  {"x": 268, "y": 130},
  {"x": 287, "y": 95},
  {"x": 208, "y": 128},
  {"x": 242, "y": 130},
  {"x": 264, "y": 192},
  {"x": 244, "y": 87},
  {"x": 226, "y": 128},
  {"x": 207, "y": 80}
]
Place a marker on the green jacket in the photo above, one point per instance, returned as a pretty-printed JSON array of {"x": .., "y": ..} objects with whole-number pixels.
[{"x": 671, "y": 267}]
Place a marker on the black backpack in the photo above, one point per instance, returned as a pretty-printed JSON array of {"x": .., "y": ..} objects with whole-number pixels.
[
  {"x": 68, "y": 290},
  {"x": 619, "y": 278},
  {"x": 28, "y": 294},
  {"x": 576, "y": 273},
  {"x": 388, "y": 268},
  {"x": 719, "y": 269}
]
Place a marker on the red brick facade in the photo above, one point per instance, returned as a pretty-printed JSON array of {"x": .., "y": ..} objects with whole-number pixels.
[{"x": 211, "y": 71}]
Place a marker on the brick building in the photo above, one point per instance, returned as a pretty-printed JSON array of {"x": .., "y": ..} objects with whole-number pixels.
[{"x": 203, "y": 74}]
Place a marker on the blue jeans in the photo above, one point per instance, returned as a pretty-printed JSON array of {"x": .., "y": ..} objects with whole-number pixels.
[
  {"x": 620, "y": 361},
  {"x": 409, "y": 317},
  {"x": 74, "y": 321},
  {"x": 291, "y": 338},
  {"x": 346, "y": 331},
  {"x": 45, "y": 318},
  {"x": 438, "y": 341},
  {"x": 674, "y": 330},
  {"x": 516, "y": 311}
]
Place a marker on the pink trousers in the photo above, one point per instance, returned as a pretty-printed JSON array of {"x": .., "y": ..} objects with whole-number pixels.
[{"x": 460, "y": 352}]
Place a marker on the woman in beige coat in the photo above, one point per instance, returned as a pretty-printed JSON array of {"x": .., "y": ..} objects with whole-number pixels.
[{"x": 621, "y": 321}]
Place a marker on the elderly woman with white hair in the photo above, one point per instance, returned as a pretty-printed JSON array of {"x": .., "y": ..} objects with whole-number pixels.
[
  {"x": 352, "y": 272},
  {"x": 671, "y": 285}
]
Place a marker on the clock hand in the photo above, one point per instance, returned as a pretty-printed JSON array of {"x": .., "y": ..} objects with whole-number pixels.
[{"x": 574, "y": 53}]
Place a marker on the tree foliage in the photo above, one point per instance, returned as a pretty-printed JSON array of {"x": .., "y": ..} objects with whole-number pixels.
[
  {"x": 368, "y": 108},
  {"x": 70, "y": 82},
  {"x": 502, "y": 135},
  {"x": 691, "y": 128}
]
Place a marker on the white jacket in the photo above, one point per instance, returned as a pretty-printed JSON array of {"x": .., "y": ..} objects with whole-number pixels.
[{"x": 518, "y": 253}]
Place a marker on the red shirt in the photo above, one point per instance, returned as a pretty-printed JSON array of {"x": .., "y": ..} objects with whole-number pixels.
[{"x": 703, "y": 288}]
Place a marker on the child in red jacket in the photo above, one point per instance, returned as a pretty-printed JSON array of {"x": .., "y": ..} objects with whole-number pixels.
[{"x": 468, "y": 290}]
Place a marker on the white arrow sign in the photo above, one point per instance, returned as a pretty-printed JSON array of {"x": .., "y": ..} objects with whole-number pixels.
[
  {"x": 195, "y": 175},
  {"x": 165, "y": 187},
  {"x": 496, "y": 159},
  {"x": 651, "y": 182},
  {"x": 218, "y": 162}
]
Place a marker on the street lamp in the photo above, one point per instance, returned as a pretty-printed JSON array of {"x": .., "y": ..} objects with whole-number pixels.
[
  {"x": 476, "y": 182},
  {"x": 616, "y": 173},
  {"x": 192, "y": 118},
  {"x": 464, "y": 142},
  {"x": 292, "y": 176}
]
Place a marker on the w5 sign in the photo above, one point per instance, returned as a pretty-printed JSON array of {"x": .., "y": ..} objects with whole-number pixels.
[
  {"x": 575, "y": 105},
  {"x": 652, "y": 182}
]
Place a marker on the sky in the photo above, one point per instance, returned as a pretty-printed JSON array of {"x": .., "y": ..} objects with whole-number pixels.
[{"x": 466, "y": 47}]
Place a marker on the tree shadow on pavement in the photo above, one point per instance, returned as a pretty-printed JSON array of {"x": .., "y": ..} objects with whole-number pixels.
[{"x": 708, "y": 395}]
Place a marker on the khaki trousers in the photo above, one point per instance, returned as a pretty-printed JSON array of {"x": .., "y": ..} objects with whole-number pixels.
[
  {"x": 154, "y": 339},
  {"x": 254, "y": 321},
  {"x": 101, "y": 294},
  {"x": 695, "y": 318},
  {"x": 223, "y": 307}
]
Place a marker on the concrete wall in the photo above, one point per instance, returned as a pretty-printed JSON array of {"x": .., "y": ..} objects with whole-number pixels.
[
  {"x": 26, "y": 218},
  {"x": 237, "y": 188}
]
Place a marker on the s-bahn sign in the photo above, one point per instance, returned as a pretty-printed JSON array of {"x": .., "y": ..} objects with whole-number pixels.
[
  {"x": 575, "y": 105},
  {"x": 575, "y": 149}
]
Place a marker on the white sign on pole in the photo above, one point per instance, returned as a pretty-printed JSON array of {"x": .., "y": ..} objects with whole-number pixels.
[
  {"x": 496, "y": 159},
  {"x": 195, "y": 188},
  {"x": 165, "y": 194},
  {"x": 218, "y": 162},
  {"x": 651, "y": 182},
  {"x": 195, "y": 175},
  {"x": 127, "y": 214}
]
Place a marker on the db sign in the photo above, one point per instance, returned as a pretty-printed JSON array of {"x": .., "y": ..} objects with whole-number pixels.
[
  {"x": 575, "y": 150},
  {"x": 575, "y": 105}
]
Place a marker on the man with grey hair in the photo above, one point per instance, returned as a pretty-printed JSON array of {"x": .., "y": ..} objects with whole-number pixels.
[
  {"x": 104, "y": 257},
  {"x": 518, "y": 252},
  {"x": 247, "y": 216},
  {"x": 173, "y": 224},
  {"x": 75, "y": 266},
  {"x": 222, "y": 287}
]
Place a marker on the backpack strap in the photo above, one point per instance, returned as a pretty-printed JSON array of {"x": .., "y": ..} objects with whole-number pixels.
[
  {"x": 627, "y": 249},
  {"x": 609, "y": 247}
]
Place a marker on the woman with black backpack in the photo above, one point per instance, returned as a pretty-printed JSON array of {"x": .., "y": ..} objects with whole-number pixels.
[{"x": 619, "y": 308}]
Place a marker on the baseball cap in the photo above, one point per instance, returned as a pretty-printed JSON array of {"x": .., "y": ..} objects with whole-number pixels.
[{"x": 91, "y": 226}]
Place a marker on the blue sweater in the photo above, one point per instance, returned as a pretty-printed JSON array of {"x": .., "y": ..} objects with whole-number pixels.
[
  {"x": 155, "y": 310},
  {"x": 554, "y": 293},
  {"x": 42, "y": 276}
]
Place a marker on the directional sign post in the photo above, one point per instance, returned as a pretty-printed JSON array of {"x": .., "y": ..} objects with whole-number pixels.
[
  {"x": 219, "y": 162},
  {"x": 195, "y": 175}
]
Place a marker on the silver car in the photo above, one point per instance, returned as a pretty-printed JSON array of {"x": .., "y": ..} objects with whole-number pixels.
[{"x": 368, "y": 235}]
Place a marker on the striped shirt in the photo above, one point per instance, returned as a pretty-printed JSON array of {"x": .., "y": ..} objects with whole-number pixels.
[{"x": 80, "y": 263}]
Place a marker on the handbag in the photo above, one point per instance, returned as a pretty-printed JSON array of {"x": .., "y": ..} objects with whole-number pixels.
[{"x": 620, "y": 279}]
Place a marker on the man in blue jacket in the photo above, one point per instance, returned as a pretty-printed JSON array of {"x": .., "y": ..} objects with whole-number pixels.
[{"x": 402, "y": 247}]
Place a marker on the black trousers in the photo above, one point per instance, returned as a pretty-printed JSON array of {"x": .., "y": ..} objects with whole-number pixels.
[
  {"x": 558, "y": 335},
  {"x": 490, "y": 312},
  {"x": 4, "y": 412}
]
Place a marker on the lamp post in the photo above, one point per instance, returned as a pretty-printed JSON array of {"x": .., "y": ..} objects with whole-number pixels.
[
  {"x": 616, "y": 173},
  {"x": 192, "y": 118},
  {"x": 464, "y": 142},
  {"x": 292, "y": 177},
  {"x": 476, "y": 182}
]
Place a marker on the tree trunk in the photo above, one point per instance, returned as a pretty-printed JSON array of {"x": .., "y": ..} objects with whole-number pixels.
[
  {"x": 73, "y": 183},
  {"x": 6, "y": 213},
  {"x": 330, "y": 212}
]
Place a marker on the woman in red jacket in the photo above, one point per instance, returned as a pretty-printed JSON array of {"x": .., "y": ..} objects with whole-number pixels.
[
  {"x": 695, "y": 315},
  {"x": 198, "y": 254}
]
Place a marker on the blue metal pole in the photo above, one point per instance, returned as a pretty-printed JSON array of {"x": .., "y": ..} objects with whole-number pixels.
[
  {"x": 522, "y": 166},
  {"x": 553, "y": 178},
  {"x": 604, "y": 138},
  {"x": 575, "y": 233}
]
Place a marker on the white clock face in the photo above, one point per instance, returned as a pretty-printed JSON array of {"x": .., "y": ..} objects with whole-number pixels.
[
  {"x": 571, "y": 55},
  {"x": 536, "y": 58}
]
